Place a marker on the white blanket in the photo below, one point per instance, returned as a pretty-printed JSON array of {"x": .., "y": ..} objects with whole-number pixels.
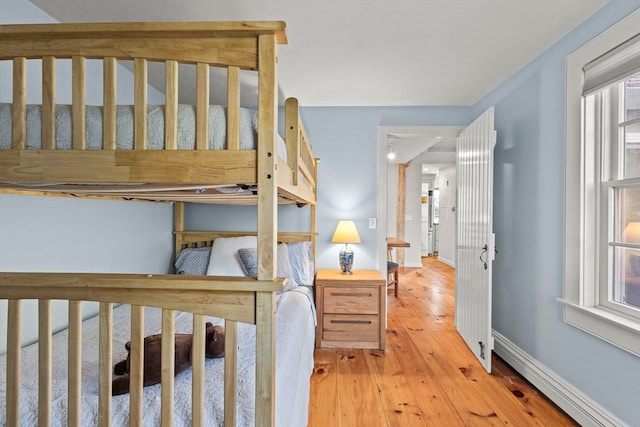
[{"x": 294, "y": 358}]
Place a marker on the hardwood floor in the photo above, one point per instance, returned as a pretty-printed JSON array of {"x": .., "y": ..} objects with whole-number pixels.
[{"x": 427, "y": 376}]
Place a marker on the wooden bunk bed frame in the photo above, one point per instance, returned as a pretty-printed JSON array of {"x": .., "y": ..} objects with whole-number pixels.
[{"x": 169, "y": 174}]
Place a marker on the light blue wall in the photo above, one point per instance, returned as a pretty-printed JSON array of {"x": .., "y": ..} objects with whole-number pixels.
[
  {"x": 60, "y": 234},
  {"x": 528, "y": 222},
  {"x": 56, "y": 234}
]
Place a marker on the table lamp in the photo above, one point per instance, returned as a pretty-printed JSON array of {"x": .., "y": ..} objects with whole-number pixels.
[{"x": 346, "y": 232}]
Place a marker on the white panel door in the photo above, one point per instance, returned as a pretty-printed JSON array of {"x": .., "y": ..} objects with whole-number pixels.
[{"x": 475, "y": 242}]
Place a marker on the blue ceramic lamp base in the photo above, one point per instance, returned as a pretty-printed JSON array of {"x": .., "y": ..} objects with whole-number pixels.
[{"x": 346, "y": 259}]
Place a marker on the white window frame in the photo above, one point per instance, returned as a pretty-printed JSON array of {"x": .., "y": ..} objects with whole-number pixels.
[{"x": 581, "y": 298}]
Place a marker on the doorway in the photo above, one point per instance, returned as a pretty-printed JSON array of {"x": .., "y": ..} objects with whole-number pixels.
[
  {"x": 418, "y": 146},
  {"x": 471, "y": 230}
]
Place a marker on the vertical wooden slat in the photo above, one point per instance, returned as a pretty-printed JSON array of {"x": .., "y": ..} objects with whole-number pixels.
[
  {"x": 202, "y": 106},
  {"x": 19, "y": 107},
  {"x": 197, "y": 381},
  {"x": 109, "y": 104},
  {"x": 178, "y": 225},
  {"x": 233, "y": 108},
  {"x": 292, "y": 135},
  {"x": 312, "y": 230},
  {"x": 267, "y": 221},
  {"x": 75, "y": 362},
  {"x": 105, "y": 349},
  {"x": 78, "y": 91},
  {"x": 265, "y": 359},
  {"x": 140, "y": 103},
  {"x": 48, "y": 103},
  {"x": 135, "y": 365},
  {"x": 44, "y": 362},
  {"x": 168, "y": 366},
  {"x": 13, "y": 362},
  {"x": 171, "y": 106},
  {"x": 230, "y": 371}
]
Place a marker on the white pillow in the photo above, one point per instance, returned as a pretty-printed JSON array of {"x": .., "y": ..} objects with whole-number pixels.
[{"x": 224, "y": 259}]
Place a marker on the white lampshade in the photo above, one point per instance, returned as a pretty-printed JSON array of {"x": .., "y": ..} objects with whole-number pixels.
[{"x": 346, "y": 232}]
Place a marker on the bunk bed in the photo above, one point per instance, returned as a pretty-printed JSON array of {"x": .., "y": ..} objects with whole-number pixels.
[{"x": 252, "y": 165}]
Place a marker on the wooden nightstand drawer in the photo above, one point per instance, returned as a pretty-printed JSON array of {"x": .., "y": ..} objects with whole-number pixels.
[
  {"x": 350, "y": 327},
  {"x": 353, "y": 299}
]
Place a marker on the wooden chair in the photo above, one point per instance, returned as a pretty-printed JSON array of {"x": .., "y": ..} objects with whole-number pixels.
[{"x": 392, "y": 276}]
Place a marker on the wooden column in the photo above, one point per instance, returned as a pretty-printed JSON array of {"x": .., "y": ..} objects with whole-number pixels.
[{"x": 401, "y": 207}]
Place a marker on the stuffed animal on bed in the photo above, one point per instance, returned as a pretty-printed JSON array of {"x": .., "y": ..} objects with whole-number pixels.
[{"x": 214, "y": 347}]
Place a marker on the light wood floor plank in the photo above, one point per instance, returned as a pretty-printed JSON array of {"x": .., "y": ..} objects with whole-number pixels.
[
  {"x": 323, "y": 402},
  {"x": 358, "y": 400},
  {"x": 398, "y": 400},
  {"x": 529, "y": 397},
  {"x": 470, "y": 405},
  {"x": 434, "y": 403}
]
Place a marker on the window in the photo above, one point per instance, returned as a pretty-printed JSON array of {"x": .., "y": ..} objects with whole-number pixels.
[
  {"x": 615, "y": 131},
  {"x": 602, "y": 193}
]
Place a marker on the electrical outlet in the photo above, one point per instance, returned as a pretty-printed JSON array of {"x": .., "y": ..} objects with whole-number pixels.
[{"x": 372, "y": 223}]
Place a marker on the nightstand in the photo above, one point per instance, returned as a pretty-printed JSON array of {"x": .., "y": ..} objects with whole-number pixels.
[{"x": 351, "y": 309}]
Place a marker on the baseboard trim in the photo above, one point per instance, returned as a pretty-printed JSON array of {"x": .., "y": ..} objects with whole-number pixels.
[
  {"x": 579, "y": 406},
  {"x": 446, "y": 261}
]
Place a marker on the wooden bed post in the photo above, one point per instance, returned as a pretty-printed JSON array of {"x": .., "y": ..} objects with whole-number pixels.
[{"x": 267, "y": 223}]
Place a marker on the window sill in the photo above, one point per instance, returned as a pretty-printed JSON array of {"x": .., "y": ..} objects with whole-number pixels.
[{"x": 606, "y": 325}]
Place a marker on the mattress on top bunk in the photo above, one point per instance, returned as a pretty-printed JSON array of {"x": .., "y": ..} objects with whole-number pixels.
[
  {"x": 295, "y": 326},
  {"x": 125, "y": 127}
]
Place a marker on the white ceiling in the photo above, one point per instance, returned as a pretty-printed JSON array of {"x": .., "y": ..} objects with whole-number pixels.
[{"x": 376, "y": 52}]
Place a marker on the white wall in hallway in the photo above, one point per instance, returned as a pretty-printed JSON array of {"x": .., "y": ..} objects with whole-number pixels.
[{"x": 447, "y": 214}]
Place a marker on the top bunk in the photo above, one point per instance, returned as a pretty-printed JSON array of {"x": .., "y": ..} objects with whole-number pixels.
[{"x": 214, "y": 138}]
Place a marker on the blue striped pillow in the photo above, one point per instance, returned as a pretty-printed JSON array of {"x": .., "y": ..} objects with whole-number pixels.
[{"x": 193, "y": 261}]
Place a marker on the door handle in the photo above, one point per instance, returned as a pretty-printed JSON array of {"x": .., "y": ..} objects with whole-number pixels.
[{"x": 485, "y": 248}]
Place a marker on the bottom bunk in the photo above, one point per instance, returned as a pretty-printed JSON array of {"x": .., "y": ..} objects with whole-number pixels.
[
  {"x": 66, "y": 378},
  {"x": 294, "y": 344}
]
